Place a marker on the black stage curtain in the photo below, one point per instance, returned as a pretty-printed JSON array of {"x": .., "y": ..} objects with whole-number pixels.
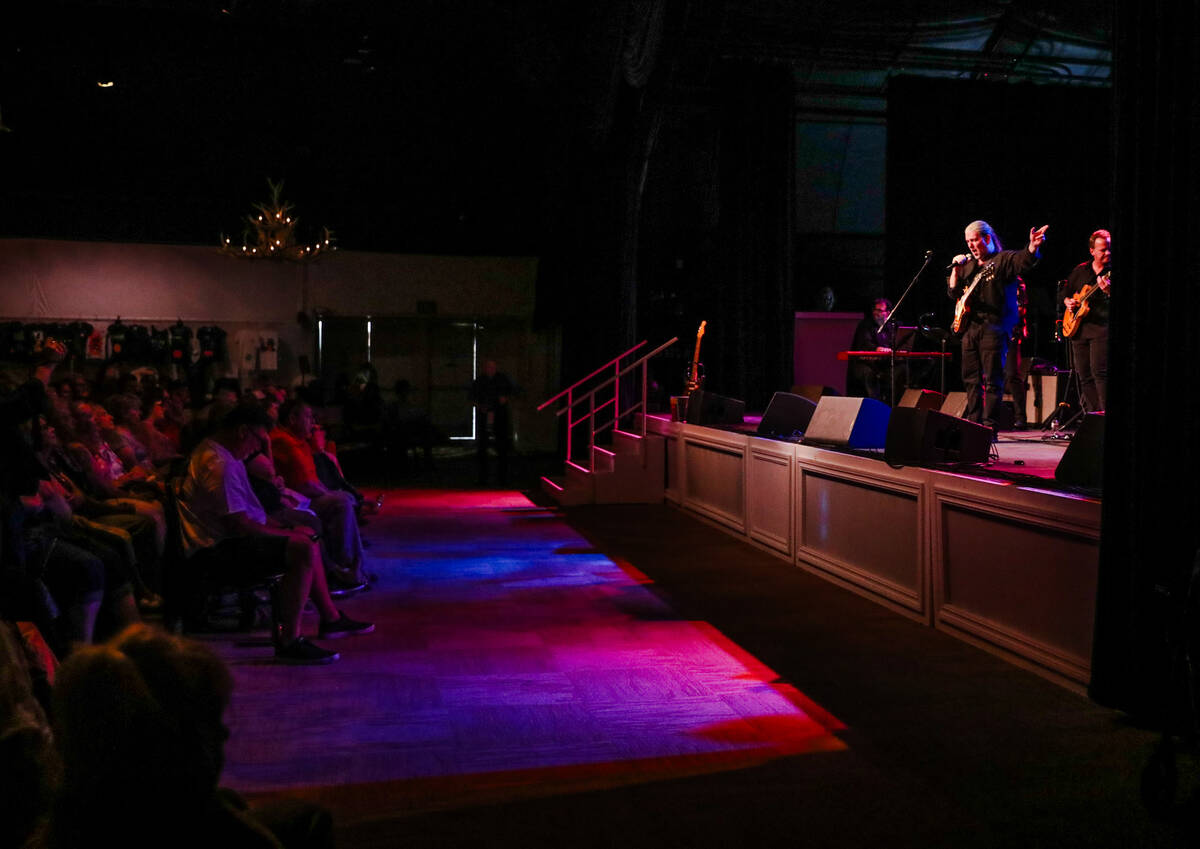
[
  {"x": 602, "y": 240},
  {"x": 609, "y": 98},
  {"x": 749, "y": 310},
  {"x": 1150, "y": 498}
]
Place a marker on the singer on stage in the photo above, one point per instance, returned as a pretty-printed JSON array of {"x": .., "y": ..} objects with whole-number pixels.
[{"x": 983, "y": 284}]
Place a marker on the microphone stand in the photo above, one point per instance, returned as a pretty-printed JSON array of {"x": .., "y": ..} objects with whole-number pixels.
[{"x": 891, "y": 318}]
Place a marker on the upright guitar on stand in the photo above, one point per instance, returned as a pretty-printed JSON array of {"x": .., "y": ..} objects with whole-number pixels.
[{"x": 693, "y": 376}]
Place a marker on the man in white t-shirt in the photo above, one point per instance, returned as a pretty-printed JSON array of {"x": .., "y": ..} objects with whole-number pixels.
[{"x": 226, "y": 532}]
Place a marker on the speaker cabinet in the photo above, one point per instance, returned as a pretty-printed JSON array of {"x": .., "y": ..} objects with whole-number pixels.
[
  {"x": 922, "y": 399},
  {"x": 917, "y": 437},
  {"x": 709, "y": 408},
  {"x": 849, "y": 423},
  {"x": 787, "y": 415},
  {"x": 1083, "y": 462},
  {"x": 1041, "y": 400},
  {"x": 955, "y": 404}
]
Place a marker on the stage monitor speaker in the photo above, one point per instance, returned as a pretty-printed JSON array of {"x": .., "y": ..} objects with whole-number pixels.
[
  {"x": 919, "y": 437},
  {"x": 1041, "y": 401},
  {"x": 709, "y": 408},
  {"x": 849, "y": 423},
  {"x": 786, "y": 415},
  {"x": 955, "y": 404},
  {"x": 922, "y": 399},
  {"x": 1083, "y": 462}
]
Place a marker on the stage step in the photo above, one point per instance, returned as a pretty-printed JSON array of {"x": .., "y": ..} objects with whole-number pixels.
[
  {"x": 559, "y": 488},
  {"x": 631, "y": 471}
]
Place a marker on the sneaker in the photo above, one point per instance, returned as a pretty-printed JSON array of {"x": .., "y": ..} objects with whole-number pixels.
[
  {"x": 301, "y": 651},
  {"x": 339, "y": 588},
  {"x": 344, "y": 626}
]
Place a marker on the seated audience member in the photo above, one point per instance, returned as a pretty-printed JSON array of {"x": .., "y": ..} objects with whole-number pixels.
[
  {"x": 138, "y": 726},
  {"x": 227, "y": 532},
  {"x": 80, "y": 570},
  {"x": 176, "y": 413},
  {"x": 329, "y": 472},
  {"x": 89, "y": 503},
  {"x": 114, "y": 419},
  {"x": 102, "y": 526},
  {"x": 147, "y": 444},
  {"x": 25, "y": 738},
  {"x": 225, "y": 396},
  {"x": 294, "y": 461},
  {"x": 106, "y": 476},
  {"x": 291, "y": 509},
  {"x": 21, "y": 598}
]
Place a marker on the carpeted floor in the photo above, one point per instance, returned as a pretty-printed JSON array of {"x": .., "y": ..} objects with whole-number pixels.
[{"x": 628, "y": 676}]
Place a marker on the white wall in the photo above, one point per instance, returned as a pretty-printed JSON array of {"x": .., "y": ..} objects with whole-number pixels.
[{"x": 48, "y": 280}]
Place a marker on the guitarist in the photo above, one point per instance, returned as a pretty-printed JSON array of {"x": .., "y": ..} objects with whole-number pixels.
[
  {"x": 984, "y": 284},
  {"x": 1089, "y": 341}
]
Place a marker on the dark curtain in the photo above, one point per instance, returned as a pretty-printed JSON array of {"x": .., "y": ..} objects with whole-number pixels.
[
  {"x": 610, "y": 94},
  {"x": 1150, "y": 500},
  {"x": 748, "y": 342}
]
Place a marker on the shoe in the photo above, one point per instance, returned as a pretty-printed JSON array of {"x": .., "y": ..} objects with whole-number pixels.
[
  {"x": 344, "y": 626},
  {"x": 340, "y": 589},
  {"x": 301, "y": 652}
]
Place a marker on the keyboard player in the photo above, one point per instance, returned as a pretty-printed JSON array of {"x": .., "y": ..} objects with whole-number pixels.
[{"x": 872, "y": 378}]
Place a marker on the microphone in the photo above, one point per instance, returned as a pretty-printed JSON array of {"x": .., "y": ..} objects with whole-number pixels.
[{"x": 961, "y": 259}]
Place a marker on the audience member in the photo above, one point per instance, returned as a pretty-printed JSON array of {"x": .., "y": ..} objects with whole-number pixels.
[
  {"x": 139, "y": 732},
  {"x": 294, "y": 461},
  {"x": 176, "y": 413},
  {"x": 226, "y": 527}
]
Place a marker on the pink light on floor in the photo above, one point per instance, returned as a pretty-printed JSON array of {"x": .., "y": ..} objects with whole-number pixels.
[{"x": 511, "y": 659}]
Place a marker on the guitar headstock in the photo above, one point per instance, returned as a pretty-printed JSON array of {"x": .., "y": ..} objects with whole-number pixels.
[{"x": 700, "y": 332}]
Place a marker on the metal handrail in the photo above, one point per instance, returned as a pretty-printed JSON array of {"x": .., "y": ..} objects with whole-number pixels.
[
  {"x": 590, "y": 399},
  {"x": 585, "y": 379}
]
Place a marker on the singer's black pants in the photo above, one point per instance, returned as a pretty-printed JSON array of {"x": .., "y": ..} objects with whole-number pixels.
[{"x": 983, "y": 348}]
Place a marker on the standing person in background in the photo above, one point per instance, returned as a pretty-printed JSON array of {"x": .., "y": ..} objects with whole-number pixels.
[{"x": 490, "y": 393}]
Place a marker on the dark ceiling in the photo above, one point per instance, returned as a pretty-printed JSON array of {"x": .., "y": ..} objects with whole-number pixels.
[{"x": 422, "y": 125}]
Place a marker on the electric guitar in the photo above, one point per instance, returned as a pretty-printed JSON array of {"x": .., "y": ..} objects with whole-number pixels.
[
  {"x": 1072, "y": 317},
  {"x": 693, "y": 378},
  {"x": 961, "y": 309}
]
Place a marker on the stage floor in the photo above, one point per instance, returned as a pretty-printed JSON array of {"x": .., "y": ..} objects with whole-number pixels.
[
  {"x": 1027, "y": 452},
  {"x": 1019, "y": 456}
]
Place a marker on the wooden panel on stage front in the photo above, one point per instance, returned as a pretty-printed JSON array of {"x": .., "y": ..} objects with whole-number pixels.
[
  {"x": 768, "y": 494},
  {"x": 1009, "y": 568},
  {"x": 1018, "y": 578},
  {"x": 866, "y": 533},
  {"x": 714, "y": 481}
]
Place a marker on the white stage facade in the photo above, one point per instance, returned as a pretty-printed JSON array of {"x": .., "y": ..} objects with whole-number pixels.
[{"x": 1011, "y": 568}]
